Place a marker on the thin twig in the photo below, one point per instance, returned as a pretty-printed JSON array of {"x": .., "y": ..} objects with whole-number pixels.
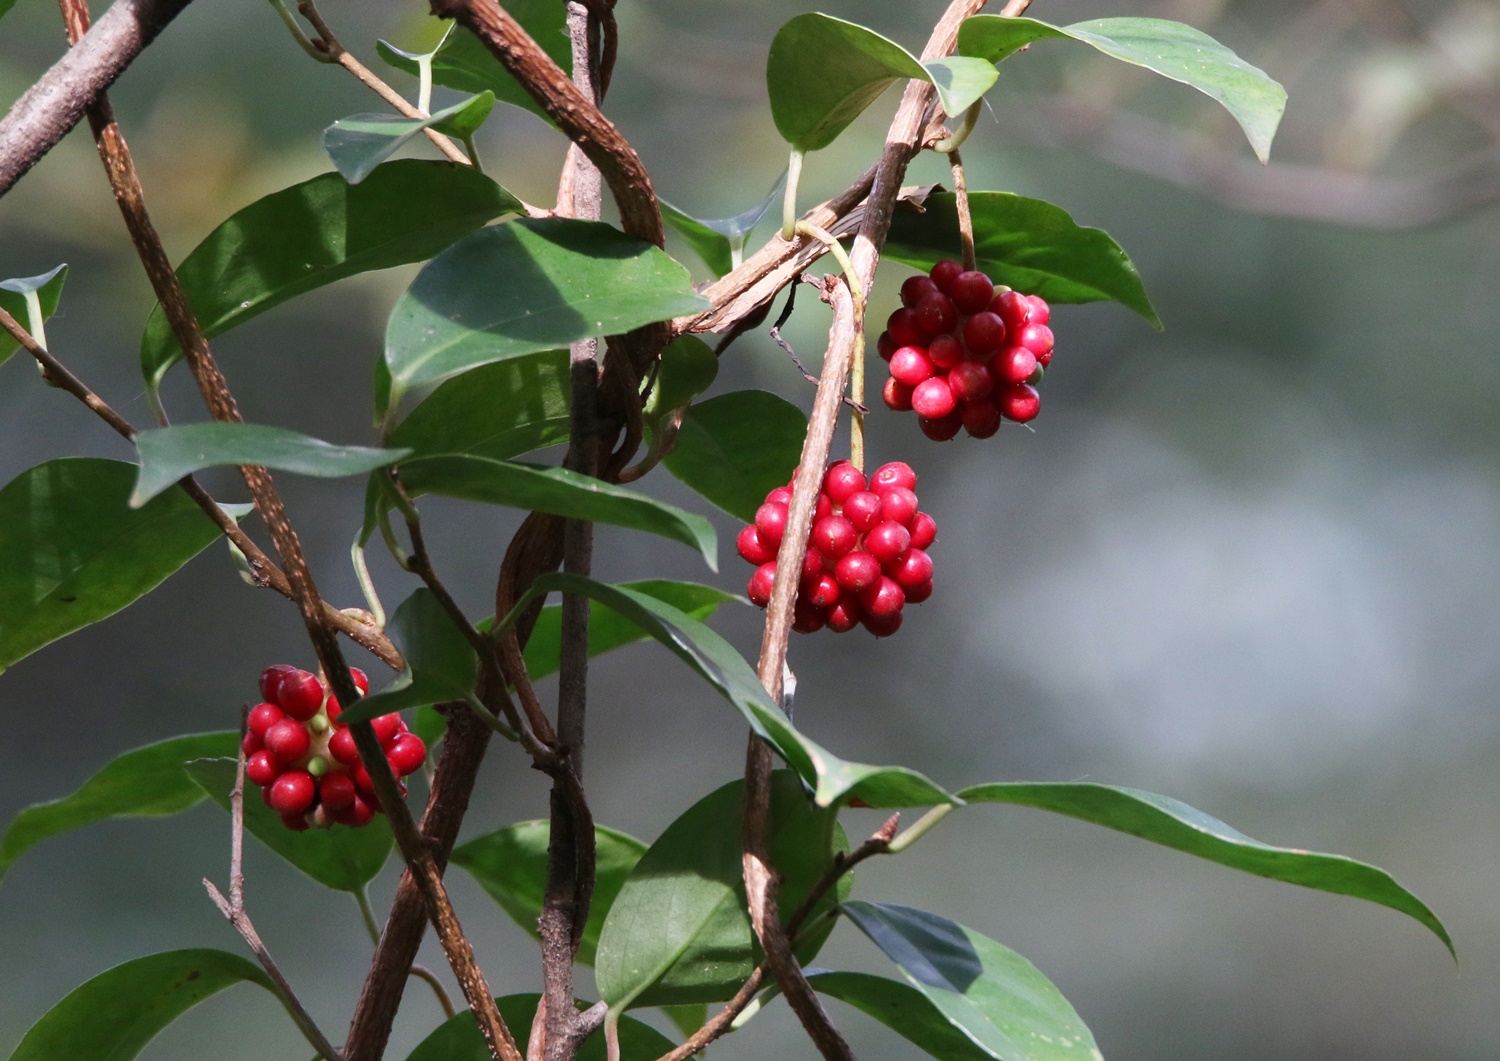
[{"x": 961, "y": 203}]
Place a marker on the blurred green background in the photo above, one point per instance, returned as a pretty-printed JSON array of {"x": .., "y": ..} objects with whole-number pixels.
[{"x": 1250, "y": 562}]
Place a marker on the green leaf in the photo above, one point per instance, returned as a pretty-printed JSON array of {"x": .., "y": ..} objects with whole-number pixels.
[
  {"x": 338, "y": 857},
  {"x": 608, "y": 629},
  {"x": 1169, "y": 48},
  {"x": 904, "y": 1010},
  {"x": 736, "y": 448},
  {"x": 990, "y": 993},
  {"x": 360, "y": 143},
  {"x": 458, "y": 1038},
  {"x": 462, "y": 62},
  {"x": 558, "y": 491},
  {"x": 679, "y": 931},
  {"x": 687, "y": 369},
  {"x": 314, "y": 233},
  {"x": 721, "y": 242},
  {"x": 440, "y": 661},
  {"x": 143, "y": 783},
  {"x": 29, "y": 298},
  {"x": 511, "y": 864},
  {"x": 500, "y": 410},
  {"x": 169, "y": 453},
  {"x": 832, "y": 779},
  {"x": 1173, "y": 824},
  {"x": 960, "y": 81},
  {"x": 1027, "y": 244},
  {"x": 113, "y": 1016},
  {"x": 532, "y": 284},
  {"x": 822, "y": 72},
  {"x": 73, "y": 552}
]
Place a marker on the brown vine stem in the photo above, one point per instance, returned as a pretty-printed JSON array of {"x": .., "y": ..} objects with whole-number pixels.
[{"x": 961, "y": 204}]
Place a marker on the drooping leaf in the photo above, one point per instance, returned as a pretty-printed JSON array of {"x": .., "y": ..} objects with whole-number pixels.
[
  {"x": 822, "y": 72},
  {"x": 960, "y": 81},
  {"x": 1173, "y": 824},
  {"x": 990, "y": 993},
  {"x": 73, "y": 552},
  {"x": 359, "y": 143},
  {"x": 114, "y": 1015},
  {"x": 500, "y": 410},
  {"x": 687, "y": 368},
  {"x": 1169, "y": 48},
  {"x": 678, "y": 931},
  {"x": 339, "y": 857},
  {"x": 440, "y": 661},
  {"x": 558, "y": 491},
  {"x": 721, "y": 242},
  {"x": 904, "y": 1010},
  {"x": 28, "y": 297},
  {"x": 608, "y": 629},
  {"x": 1027, "y": 244},
  {"x": 169, "y": 453},
  {"x": 314, "y": 233},
  {"x": 458, "y": 1038},
  {"x": 143, "y": 783},
  {"x": 511, "y": 864},
  {"x": 735, "y": 448},
  {"x": 532, "y": 284}
]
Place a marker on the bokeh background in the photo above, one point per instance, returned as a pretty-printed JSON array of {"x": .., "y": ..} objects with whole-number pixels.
[{"x": 1252, "y": 561}]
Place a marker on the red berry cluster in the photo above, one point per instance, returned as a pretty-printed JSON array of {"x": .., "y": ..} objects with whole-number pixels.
[
  {"x": 866, "y": 554},
  {"x": 964, "y": 354},
  {"x": 304, "y": 759}
]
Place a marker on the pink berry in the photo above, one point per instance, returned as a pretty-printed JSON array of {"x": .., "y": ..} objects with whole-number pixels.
[
  {"x": 841, "y": 480},
  {"x": 935, "y": 314},
  {"x": 886, "y": 541},
  {"x": 888, "y": 476},
  {"x": 292, "y": 792},
  {"x": 904, "y": 328},
  {"x": 897, "y": 395},
  {"x": 911, "y": 568},
  {"x": 1035, "y": 337},
  {"x": 911, "y": 365},
  {"x": 1020, "y": 402},
  {"x": 262, "y": 768},
  {"x": 770, "y": 523},
  {"x": 300, "y": 695},
  {"x": 782, "y": 495},
  {"x": 288, "y": 740},
  {"x": 967, "y": 380},
  {"x": 759, "y": 589},
  {"x": 833, "y": 536},
  {"x": 748, "y": 545},
  {"x": 1014, "y": 364},
  {"x": 945, "y": 351},
  {"x": 933, "y": 398},
  {"x": 984, "y": 333},
  {"x": 262, "y": 717},
  {"x": 941, "y": 430},
  {"x": 406, "y": 754},
  {"x": 914, "y": 287},
  {"x": 857, "y": 571},
  {"x": 923, "y": 530},
  {"x": 981, "y": 419},
  {"x": 336, "y": 791},
  {"x": 944, "y": 273},
  {"x": 1014, "y": 309},
  {"x": 972, "y": 292},
  {"x": 899, "y": 505},
  {"x": 1041, "y": 313}
]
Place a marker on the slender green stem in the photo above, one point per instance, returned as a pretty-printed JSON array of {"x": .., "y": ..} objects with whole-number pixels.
[
  {"x": 473, "y": 152},
  {"x": 965, "y": 127},
  {"x": 366, "y": 583},
  {"x": 789, "y": 197},
  {"x": 362, "y": 900},
  {"x": 920, "y": 827},
  {"x": 424, "y": 84},
  {"x": 490, "y": 719},
  {"x": 297, "y": 34}
]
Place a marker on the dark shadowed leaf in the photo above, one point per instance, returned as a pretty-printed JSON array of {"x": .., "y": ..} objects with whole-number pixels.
[
  {"x": 511, "y": 864},
  {"x": 73, "y": 552},
  {"x": 114, "y": 1015},
  {"x": 143, "y": 783},
  {"x": 904, "y": 1010},
  {"x": 458, "y": 1039},
  {"x": 169, "y": 453},
  {"x": 440, "y": 661},
  {"x": 1027, "y": 244},
  {"x": 736, "y": 448},
  {"x": 678, "y": 931},
  {"x": 314, "y": 233},
  {"x": 28, "y": 298},
  {"x": 1166, "y": 821},
  {"x": 339, "y": 857},
  {"x": 500, "y": 410},
  {"x": 990, "y": 993},
  {"x": 533, "y": 284},
  {"x": 687, "y": 368},
  {"x": 359, "y": 143},
  {"x": 1169, "y": 48},
  {"x": 721, "y": 242}
]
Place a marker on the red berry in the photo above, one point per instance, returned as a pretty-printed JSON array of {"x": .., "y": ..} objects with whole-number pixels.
[
  {"x": 981, "y": 419},
  {"x": 1035, "y": 337},
  {"x": 911, "y": 568},
  {"x": 262, "y": 717},
  {"x": 361, "y": 680},
  {"x": 918, "y": 594},
  {"x": 288, "y": 740},
  {"x": 782, "y": 495},
  {"x": 882, "y": 626},
  {"x": 914, "y": 287},
  {"x": 825, "y": 592},
  {"x": 297, "y": 823},
  {"x": 749, "y": 546},
  {"x": 904, "y": 328},
  {"x": 807, "y": 618},
  {"x": 845, "y": 615},
  {"x": 885, "y": 598},
  {"x": 770, "y": 523},
  {"x": 362, "y": 782},
  {"x": 336, "y": 791},
  {"x": 1014, "y": 308},
  {"x": 292, "y": 792},
  {"x": 300, "y": 695},
  {"x": 833, "y": 536},
  {"x": 933, "y": 398},
  {"x": 863, "y": 510},
  {"x": 984, "y": 333},
  {"x": 841, "y": 480},
  {"x": 911, "y": 365},
  {"x": 885, "y": 346},
  {"x": 899, "y": 505},
  {"x": 270, "y": 680},
  {"x": 897, "y": 395},
  {"x": 896, "y": 473},
  {"x": 355, "y": 814},
  {"x": 935, "y": 314},
  {"x": 945, "y": 351},
  {"x": 857, "y": 571},
  {"x": 886, "y": 541},
  {"x": 386, "y": 727},
  {"x": 406, "y": 754},
  {"x": 759, "y": 589},
  {"x": 823, "y": 506},
  {"x": 1020, "y": 402},
  {"x": 262, "y": 768},
  {"x": 251, "y": 743},
  {"x": 968, "y": 380},
  {"x": 341, "y": 747},
  {"x": 941, "y": 430},
  {"x": 944, "y": 273},
  {"x": 1041, "y": 313},
  {"x": 812, "y": 567},
  {"x": 1014, "y": 364},
  {"x": 972, "y": 292}
]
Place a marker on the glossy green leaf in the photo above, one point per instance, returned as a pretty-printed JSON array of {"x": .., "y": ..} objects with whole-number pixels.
[
  {"x": 73, "y": 552},
  {"x": 608, "y": 629},
  {"x": 832, "y": 779},
  {"x": 997, "y": 998},
  {"x": 1171, "y": 49},
  {"x": 721, "y": 242},
  {"x": 960, "y": 81},
  {"x": 822, "y": 72},
  {"x": 558, "y": 491},
  {"x": 440, "y": 661},
  {"x": 113, "y": 1016},
  {"x": 6, "y": 5},
  {"x": 359, "y": 143},
  {"x": 679, "y": 931},
  {"x": 1173, "y": 824},
  {"x": 511, "y": 864},
  {"x": 458, "y": 1038},
  {"x": 314, "y": 233},
  {"x": 736, "y": 448},
  {"x": 143, "y": 783},
  {"x": 904, "y": 1010},
  {"x": 27, "y": 298},
  {"x": 169, "y": 453},
  {"x": 462, "y": 62},
  {"x": 1027, "y": 244},
  {"x": 687, "y": 368},
  {"x": 338, "y": 857},
  {"x": 500, "y": 410},
  {"x": 532, "y": 284}
]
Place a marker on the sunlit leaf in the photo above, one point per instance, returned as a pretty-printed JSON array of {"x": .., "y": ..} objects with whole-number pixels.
[
  {"x": 25, "y": 298},
  {"x": 458, "y": 1039},
  {"x": 359, "y": 143},
  {"x": 960, "y": 81},
  {"x": 721, "y": 242},
  {"x": 735, "y": 448}
]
